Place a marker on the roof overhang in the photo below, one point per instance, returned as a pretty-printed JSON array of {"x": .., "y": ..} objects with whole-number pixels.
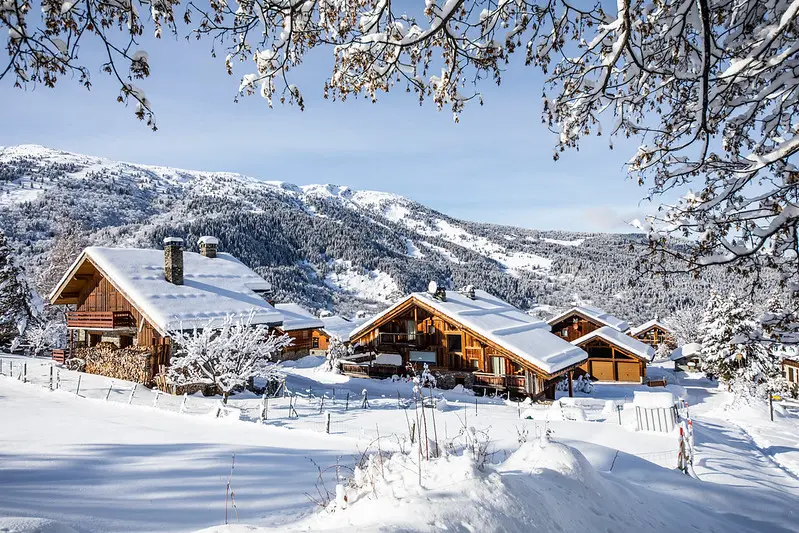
[
  {"x": 598, "y": 334},
  {"x": 78, "y": 266}
]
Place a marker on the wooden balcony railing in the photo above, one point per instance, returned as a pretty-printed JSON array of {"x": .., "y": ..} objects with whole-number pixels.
[
  {"x": 100, "y": 319},
  {"x": 499, "y": 381},
  {"x": 396, "y": 338}
]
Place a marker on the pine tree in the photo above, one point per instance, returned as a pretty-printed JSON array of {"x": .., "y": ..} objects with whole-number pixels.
[
  {"x": 15, "y": 297},
  {"x": 733, "y": 344}
]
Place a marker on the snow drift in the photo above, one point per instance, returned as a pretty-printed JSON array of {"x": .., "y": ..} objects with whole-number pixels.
[{"x": 543, "y": 486}]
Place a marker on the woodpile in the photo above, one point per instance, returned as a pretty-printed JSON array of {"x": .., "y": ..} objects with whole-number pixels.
[{"x": 131, "y": 363}]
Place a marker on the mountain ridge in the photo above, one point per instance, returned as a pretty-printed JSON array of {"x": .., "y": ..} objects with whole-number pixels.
[{"x": 325, "y": 246}]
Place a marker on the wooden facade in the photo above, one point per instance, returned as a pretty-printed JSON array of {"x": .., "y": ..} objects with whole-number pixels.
[
  {"x": 655, "y": 335},
  {"x": 422, "y": 335},
  {"x": 609, "y": 362},
  {"x": 790, "y": 369},
  {"x": 103, "y": 313},
  {"x": 575, "y": 325},
  {"x": 304, "y": 342}
]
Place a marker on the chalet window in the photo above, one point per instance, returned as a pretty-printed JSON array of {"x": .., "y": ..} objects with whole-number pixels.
[
  {"x": 455, "y": 343},
  {"x": 498, "y": 366},
  {"x": 790, "y": 374},
  {"x": 315, "y": 342},
  {"x": 474, "y": 363},
  {"x": 565, "y": 332},
  {"x": 411, "y": 329},
  {"x": 422, "y": 357}
]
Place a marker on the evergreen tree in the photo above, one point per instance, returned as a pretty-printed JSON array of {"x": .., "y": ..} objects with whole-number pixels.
[
  {"x": 15, "y": 297},
  {"x": 733, "y": 344}
]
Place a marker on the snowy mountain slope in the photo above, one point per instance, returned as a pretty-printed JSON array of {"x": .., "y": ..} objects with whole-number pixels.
[{"x": 325, "y": 246}]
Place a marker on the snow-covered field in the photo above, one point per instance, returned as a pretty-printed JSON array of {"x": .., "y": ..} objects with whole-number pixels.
[{"x": 92, "y": 464}]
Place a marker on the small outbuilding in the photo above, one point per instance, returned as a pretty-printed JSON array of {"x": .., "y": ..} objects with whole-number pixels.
[
  {"x": 687, "y": 357},
  {"x": 614, "y": 356}
]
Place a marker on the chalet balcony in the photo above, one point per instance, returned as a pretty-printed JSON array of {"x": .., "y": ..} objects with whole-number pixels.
[
  {"x": 100, "y": 319},
  {"x": 499, "y": 381}
]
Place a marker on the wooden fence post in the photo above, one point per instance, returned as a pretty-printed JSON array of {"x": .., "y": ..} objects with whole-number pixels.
[
  {"x": 24, "y": 372},
  {"x": 51, "y": 377},
  {"x": 77, "y": 389},
  {"x": 108, "y": 393},
  {"x": 327, "y": 422},
  {"x": 264, "y": 408},
  {"x": 155, "y": 400},
  {"x": 132, "y": 393}
]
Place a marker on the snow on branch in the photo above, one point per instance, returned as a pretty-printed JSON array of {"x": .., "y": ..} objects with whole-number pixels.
[
  {"x": 227, "y": 355},
  {"x": 709, "y": 88}
]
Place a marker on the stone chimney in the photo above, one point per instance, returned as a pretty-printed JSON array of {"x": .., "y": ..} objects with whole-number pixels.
[
  {"x": 173, "y": 260},
  {"x": 208, "y": 246}
]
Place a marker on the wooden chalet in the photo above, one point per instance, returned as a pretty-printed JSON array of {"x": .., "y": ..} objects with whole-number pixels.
[
  {"x": 653, "y": 333},
  {"x": 614, "y": 356},
  {"x": 471, "y": 338},
  {"x": 304, "y": 329},
  {"x": 334, "y": 326},
  {"x": 579, "y": 321},
  {"x": 134, "y": 297},
  {"x": 790, "y": 369}
]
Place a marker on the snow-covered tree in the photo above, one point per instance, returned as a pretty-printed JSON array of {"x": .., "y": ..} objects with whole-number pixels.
[
  {"x": 336, "y": 350},
  {"x": 45, "y": 334},
  {"x": 684, "y": 325},
  {"x": 226, "y": 355},
  {"x": 16, "y": 308},
  {"x": 707, "y": 88},
  {"x": 733, "y": 346}
]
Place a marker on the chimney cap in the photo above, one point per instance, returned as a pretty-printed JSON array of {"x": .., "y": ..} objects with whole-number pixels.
[
  {"x": 207, "y": 239},
  {"x": 173, "y": 241}
]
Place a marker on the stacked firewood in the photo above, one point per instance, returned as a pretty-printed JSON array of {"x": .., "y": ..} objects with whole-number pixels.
[{"x": 130, "y": 364}]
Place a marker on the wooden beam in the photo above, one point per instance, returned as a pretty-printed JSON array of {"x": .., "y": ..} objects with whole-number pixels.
[{"x": 571, "y": 388}]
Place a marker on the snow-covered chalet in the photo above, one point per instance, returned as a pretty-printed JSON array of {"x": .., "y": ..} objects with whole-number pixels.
[
  {"x": 133, "y": 298},
  {"x": 468, "y": 338},
  {"x": 613, "y": 354}
]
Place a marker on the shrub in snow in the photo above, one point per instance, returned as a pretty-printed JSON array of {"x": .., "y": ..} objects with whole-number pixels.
[
  {"x": 425, "y": 378},
  {"x": 583, "y": 384},
  {"x": 44, "y": 335},
  {"x": 335, "y": 352},
  {"x": 227, "y": 356}
]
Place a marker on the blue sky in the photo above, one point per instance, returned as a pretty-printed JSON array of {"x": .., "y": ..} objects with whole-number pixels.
[{"x": 494, "y": 166}]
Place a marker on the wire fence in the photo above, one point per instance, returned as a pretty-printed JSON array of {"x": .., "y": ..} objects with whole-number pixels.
[{"x": 336, "y": 411}]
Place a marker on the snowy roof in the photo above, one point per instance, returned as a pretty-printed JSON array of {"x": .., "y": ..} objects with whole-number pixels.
[
  {"x": 647, "y": 325},
  {"x": 692, "y": 349},
  {"x": 622, "y": 340},
  {"x": 212, "y": 289},
  {"x": 296, "y": 317},
  {"x": 594, "y": 313},
  {"x": 501, "y": 323},
  {"x": 338, "y": 326},
  {"x": 653, "y": 400}
]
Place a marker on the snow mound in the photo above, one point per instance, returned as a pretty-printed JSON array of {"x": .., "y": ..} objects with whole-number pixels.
[
  {"x": 12, "y": 524},
  {"x": 543, "y": 486}
]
